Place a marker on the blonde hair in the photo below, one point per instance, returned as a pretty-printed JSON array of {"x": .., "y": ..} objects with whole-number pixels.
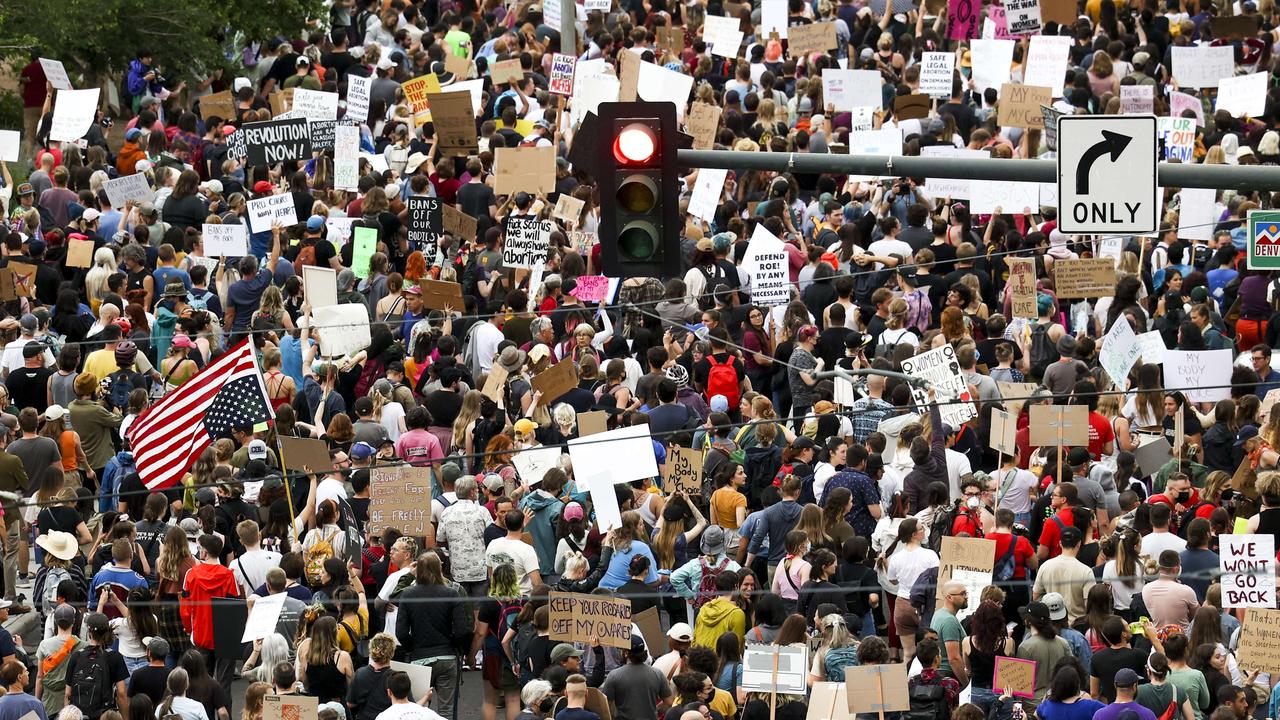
[{"x": 897, "y": 315}]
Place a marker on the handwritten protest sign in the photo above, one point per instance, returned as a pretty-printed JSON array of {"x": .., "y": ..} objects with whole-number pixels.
[
  {"x": 129, "y": 187},
  {"x": 578, "y": 617},
  {"x": 1015, "y": 677},
  {"x": 977, "y": 555},
  {"x": 1020, "y": 105},
  {"x": 1203, "y": 375},
  {"x": 942, "y": 371},
  {"x": 1137, "y": 99},
  {"x": 562, "y": 66},
  {"x": 289, "y": 707},
  {"x": 230, "y": 240},
  {"x": 1084, "y": 278},
  {"x": 591, "y": 288},
  {"x": 342, "y": 329},
  {"x": 568, "y": 208},
  {"x": 56, "y": 73},
  {"x": 703, "y": 119},
  {"x": 1120, "y": 352},
  {"x": 684, "y": 471},
  {"x": 526, "y": 243},
  {"x": 1248, "y": 571},
  {"x": 811, "y": 38},
  {"x": 962, "y": 18},
  {"x": 1022, "y": 287},
  {"x": 1259, "y": 646},
  {"x": 1202, "y": 66},
  {"x": 425, "y": 225},
  {"x": 265, "y": 211},
  {"x": 365, "y": 244},
  {"x": 400, "y": 497},
  {"x": 1178, "y": 136}
]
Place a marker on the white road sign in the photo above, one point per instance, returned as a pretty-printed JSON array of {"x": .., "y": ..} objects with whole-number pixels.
[{"x": 1107, "y": 174}]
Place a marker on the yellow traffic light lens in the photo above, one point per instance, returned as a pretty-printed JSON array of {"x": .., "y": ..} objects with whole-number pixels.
[
  {"x": 638, "y": 241},
  {"x": 637, "y": 194},
  {"x": 635, "y": 144}
]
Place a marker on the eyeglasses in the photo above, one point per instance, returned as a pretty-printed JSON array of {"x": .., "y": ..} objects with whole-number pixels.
[{"x": 973, "y": 494}]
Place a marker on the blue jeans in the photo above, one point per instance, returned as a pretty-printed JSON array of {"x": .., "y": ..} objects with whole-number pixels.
[{"x": 983, "y": 698}]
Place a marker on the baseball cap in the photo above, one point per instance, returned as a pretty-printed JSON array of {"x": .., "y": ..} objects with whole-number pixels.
[
  {"x": 302, "y": 60},
  {"x": 681, "y": 632},
  {"x": 315, "y": 222},
  {"x": 525, "y": 426},
  {"x": 96, "y": 622},
  {"x": 719, "y": 403},
  {"x": 29, "y": 322},
  {"x": 493, "y": 483},
  {"x": 262, "y": 187},
  {"x": 1056, "y": 604},
  {"x": 1072, "y": 533},
  {"x": 450, "y": 472},
  {"x": 64, "y": 613},
  {"x": 257, "y": 450},
  {"x": 26, "y": 189},
  {"x": 1036, "y": 610},
  {"x": 1078, "y": 456},
  {"x": 362, "y": 450},
  {"x": 206, "y": 496},
  {"x": 132, "y": 134},
  {"x": 564, "y": 651},
  {"x": 1126, "y": 677},
  {"x": 572, "y": 511},
  {"x": 157, "y": 647}
]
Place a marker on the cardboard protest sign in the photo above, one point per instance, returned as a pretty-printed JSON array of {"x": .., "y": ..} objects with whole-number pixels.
[
  {"x": 231, "y": 240},
  {"x": 275, "y": 141},
  {"x": 73, "y": 114},
  {"x": 628, "y": 75},
  {"x": 400, "y": 497},
  {"x": 289, "y": 707},
  {"x": 458, "y": 65},
  {"x": 1022, "y": 287},
  {"x": 1015, "y": 677},
  {"x": 1059, "y": 425},
  {"x": 219, "y": 104},
  {"x": 426, "y": 223},
  {"x": 24, "y": 278},
  {"x": 1084, "y": 278},
  {"x": 1234, "y": 27},
  {"x": 1020, "y": 105},
  {"x": 505, "y": 71},
  {"x": 302, "y": 453},
  {"x": 441, "y": 294},
  {"x": 812, "y": 38},
  {"x": 494, "y": 383},
  {"x": 942, "y": 371},
  {"x": 1259, "y": 647},
  {"x": 568, "y": 208},
  {"x": 683, "y": 471},
  {"x": 827, "y": 701},
  {"x": 1062, "y": 12},
  {"x": 281, "y": 101},
  {"x": 526, "y": 243},
  {"x": 626, "y": 453},
  {"x": 1004, "y": 430},
  {"x": 876, "y": 688},
  {"x": 911, "y": 107},
  {"x": 1248, "y": 571},
  {"x": 1015, "y": 394},
  {"x": 591, "y": 423},
  {"x": 459, "y": 224},
  {"x": 56, "y": 73},
  {"x": 265, "y": 211},
  {"x": 766, "y": 263},
  {"x": 579, "y": 617},
  {"x": 342, "y": 329},
  {"x": 562, "y": 67},
  {"x": 80, "y": 253},
  {"x": 555, "y": 381},
  {"x": 528, "y": 169},
  {"x": 670, "y": 38},
  {"x": 453, "y": 117},
  {"x": 702, "y": 121},
  {"x": 320, "y": 284},
  {"x": 134, "y": 187},
  {"x": 1202, "y": 375},
  {"x": 1120, "y": 352},
  {"x": 1268, "y": 402},
  {"x": 976, "y": 555}
]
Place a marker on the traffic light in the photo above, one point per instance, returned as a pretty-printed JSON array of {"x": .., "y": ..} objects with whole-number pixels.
[{"x": 639, "y": 198}]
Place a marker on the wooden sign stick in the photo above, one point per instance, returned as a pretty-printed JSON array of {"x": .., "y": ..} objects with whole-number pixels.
[{"x": 1058, "y": 477}]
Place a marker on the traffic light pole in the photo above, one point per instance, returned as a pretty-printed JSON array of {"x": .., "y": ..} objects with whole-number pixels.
[{"x": 1218, "y": 177}]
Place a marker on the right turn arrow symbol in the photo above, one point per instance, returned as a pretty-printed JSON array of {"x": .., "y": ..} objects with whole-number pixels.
[{"x": 1111, "y": 142}]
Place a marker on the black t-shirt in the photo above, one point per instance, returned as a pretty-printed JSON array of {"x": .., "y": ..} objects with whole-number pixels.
[
  {"x": 444, "y": 408},
  {"x": 875, "y": 326},
  {"x": 368, "y": 692},
  {"x": 987, "y": 351},
  {"x": 338, "y": 62},
  {"x": 210, "y": 694},
  {"x": 150, "y": 681},
  {"x": 116, "y": 672},
  {"x": 474, "y": 199},
  {"x": 28, "y": 387},
  {"x": 57, "y": 517},
  {"x": 1108, "y": 661},
  {"x": 540, "y": 653}
]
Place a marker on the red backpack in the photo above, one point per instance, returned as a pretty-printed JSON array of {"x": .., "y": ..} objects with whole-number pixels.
[
  {"x": 722, "y": 379},
  {"x": 707, "y": 585}
]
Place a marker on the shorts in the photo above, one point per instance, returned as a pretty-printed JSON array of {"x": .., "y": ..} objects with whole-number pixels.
[{"x": 905, "y": 618}]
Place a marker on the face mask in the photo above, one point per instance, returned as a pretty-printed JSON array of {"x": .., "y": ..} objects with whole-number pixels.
[
  {"x": 1183, "y": 496},
  {"x": 546, "y": 704},
  {"x": 1228, "y": 495},
  {"x": 973, "y": 502}
]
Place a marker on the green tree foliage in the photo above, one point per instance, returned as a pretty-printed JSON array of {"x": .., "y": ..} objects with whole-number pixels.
[{"x": 187, "y": 36}]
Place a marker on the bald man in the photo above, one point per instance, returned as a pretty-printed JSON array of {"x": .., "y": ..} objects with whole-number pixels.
[{"x": 954, "y": 599}]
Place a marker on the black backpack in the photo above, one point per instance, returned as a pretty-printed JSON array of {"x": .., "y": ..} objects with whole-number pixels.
[
  {"x": 928, "y": 702},
  {"x": 1043, "y": 351},
  {"x": 90, "y": 684}
]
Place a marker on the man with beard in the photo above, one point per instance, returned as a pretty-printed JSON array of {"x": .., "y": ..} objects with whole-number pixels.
[{"x": 954, "y": 599}]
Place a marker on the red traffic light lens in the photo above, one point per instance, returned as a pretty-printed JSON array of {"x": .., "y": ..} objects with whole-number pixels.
[{"x": 636, "y": 143}]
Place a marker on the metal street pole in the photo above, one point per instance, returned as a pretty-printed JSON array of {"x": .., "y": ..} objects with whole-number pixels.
[
  {"x": 1219, "y": 177},
  {"x": 568, "y": 31}
]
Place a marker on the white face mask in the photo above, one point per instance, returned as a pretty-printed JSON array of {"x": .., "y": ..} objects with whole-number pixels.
[{"x": 972, "y": 502}]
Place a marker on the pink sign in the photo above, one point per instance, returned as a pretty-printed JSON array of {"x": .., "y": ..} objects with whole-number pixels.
[
  {"x": 1015, "y": 676},
  {"x": 963, "y": 19},
  {"x": 591, "y": 288},
  {"x": 1179, "y": 101},
  {"x": 1000, "y": 21}
]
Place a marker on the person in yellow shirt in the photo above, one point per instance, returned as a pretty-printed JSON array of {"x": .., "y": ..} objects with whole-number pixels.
[
  {"x": 728, "y": 504},
  {"x": 102, "y": 363},
  {"x": 720, "y": 615}
]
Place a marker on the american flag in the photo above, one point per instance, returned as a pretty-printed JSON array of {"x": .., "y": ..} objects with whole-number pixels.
[{"x": 170, "y": 435}]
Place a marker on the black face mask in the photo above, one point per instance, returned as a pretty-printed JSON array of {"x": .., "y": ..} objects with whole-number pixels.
[
  {"x": 1228, "y": 495},
  {"x": 547, "y": 703},
  {"x": 1183, "y": 496}
]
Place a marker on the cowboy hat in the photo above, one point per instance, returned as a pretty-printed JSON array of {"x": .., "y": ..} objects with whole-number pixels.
[{"x": 59, "y": 544}]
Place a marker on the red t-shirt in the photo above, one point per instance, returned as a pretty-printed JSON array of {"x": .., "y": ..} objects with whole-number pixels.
[
  {"x": 1051, "y": 535},
  {"x": 34, "y": 91},
  {"x": 1100, "y": 433},
  {"x": 1022, "y": 551},
  {"x": 967, "y": 523}
]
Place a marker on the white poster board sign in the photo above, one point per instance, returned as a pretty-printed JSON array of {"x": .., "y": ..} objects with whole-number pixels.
[
  {"x": 1248, "y": 564},
  {"x": 1201, "y": 375},
  {"x": 766, "y": 263},
  {"x": 1046, "y": 64},
  {"x": 73, "y": 114},
  {"x": 1120, "y": 351},
  {"x": 942, "y": 370},
  {"x": 228, "y": 241},
  {"x": 1202, "y": 66},
  {"x": 264, "y": 211},
  {"x": 134, "y": 187},
  {"x": 56, "y": 74},
  {"x": 342, "y": 329},
  {"x": 626, "y": 454}
]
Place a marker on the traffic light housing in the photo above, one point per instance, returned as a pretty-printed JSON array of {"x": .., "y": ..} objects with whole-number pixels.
[{"x": 639, "y": 190}]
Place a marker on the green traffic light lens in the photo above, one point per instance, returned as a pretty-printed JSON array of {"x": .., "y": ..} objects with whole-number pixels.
[
  {"x": 638, "y": 241},
  {"x": 637, "y": 194}
]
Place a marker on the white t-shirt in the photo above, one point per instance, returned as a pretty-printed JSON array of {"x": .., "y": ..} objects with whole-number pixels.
[
  {"x": 392, "y": 412},
  {"x": 384, "y": 594},
  {"x": 330, "y": 489},
  {"x": 437, "y": 507},
  {"x": 1018, "y": 495},
  {"x": 957, "y": 467},
  {"x": 519, "y": 554},
  {"x": 251, "y": 569},
  {"x": 408, "y": 711},
  {"x": 889, "y": 246},
  {"x": 906, "y": 566},
  {"x": 486, "y": 339},
  {"x": 1158, "y": 542},
  {"x": 130, "y": 643}
]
